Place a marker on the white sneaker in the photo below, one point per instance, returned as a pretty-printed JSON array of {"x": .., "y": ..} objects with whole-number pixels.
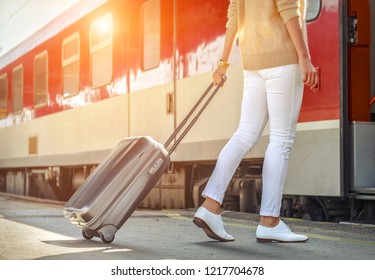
[
  {"x": 279, "y": 233},
  {"x": 212, "y": 224}
]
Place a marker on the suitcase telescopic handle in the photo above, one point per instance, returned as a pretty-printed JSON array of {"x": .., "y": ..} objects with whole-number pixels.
[{"x": 184, "y": 123}]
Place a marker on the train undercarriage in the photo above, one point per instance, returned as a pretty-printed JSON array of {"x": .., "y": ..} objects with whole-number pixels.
[{"x": 181, "y": 187}]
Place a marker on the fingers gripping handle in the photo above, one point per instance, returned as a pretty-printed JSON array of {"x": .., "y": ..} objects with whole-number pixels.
[{"x": 184, "y": 126}]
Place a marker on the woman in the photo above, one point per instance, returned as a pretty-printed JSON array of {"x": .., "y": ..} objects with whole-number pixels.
[{"x": 276, "y": 63}]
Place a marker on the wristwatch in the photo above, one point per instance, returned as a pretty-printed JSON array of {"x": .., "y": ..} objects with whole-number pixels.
[{"x": 222, "y": 63}]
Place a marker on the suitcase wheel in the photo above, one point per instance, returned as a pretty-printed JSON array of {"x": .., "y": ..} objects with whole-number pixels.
[
  {"x": 107, "y": 233},
  {"x": 105, "y": 239},
  {"x": 87, "y": 235}
]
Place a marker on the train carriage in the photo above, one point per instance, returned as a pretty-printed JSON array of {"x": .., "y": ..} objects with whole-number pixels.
[{"x": 109, "y": 69}]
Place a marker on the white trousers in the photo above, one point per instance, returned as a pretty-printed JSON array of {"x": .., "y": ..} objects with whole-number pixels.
[{"x": 273, "y": 95}]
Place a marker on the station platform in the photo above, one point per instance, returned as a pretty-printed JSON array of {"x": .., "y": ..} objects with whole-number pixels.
[{"x": 37, "y": 229}]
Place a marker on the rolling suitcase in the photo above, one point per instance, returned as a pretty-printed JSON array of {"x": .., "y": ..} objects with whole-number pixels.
[{"x": 112, "y": 192}]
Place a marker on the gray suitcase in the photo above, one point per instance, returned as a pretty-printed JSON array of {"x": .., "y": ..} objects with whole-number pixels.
[{"x": 113, "y": 191}]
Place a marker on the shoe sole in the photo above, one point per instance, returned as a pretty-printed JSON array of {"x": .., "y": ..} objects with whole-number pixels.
[
  {"x": 265, "y": 240},
  {"x": 202, "y": 224}
]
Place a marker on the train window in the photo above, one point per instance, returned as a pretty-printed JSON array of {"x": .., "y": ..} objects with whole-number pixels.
[
  {"x": 17, "y": 89},
  {"x": 3, "y": 95},
  {"x": 41, "y": 79},
  {"x": 313, "y": 9},
  {"x": 151, "y": 34},
  {"x": 70, "y": 65},
  {"x": 101, "y": 51}
]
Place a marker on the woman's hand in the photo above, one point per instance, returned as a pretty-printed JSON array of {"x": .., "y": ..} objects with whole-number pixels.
[
  {"x": 309, "y": 74},
  {"x": 218, "y": 74}
]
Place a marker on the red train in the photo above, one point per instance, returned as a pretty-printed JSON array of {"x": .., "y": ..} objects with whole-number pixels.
[{"x": 109, "y": 69}]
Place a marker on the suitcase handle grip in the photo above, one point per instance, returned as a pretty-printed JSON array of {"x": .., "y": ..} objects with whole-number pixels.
[{"x": 192, "y": 122}]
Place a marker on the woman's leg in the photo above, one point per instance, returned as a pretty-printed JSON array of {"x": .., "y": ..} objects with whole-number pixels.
[
  {"x": 254, "y": 116},
  {"x": 284, "y": 97}
]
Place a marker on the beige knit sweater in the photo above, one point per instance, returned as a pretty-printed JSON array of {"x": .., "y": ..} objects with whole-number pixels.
[{"x": 263, "y": 38}]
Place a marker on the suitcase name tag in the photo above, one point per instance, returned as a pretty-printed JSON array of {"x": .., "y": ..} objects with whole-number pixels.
[{"x": 156, "y": 166}]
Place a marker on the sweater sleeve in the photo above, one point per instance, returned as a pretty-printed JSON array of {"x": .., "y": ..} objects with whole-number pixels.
[
  {"x": 288, "y": 9},
  {"x": 232, "y": 15}
]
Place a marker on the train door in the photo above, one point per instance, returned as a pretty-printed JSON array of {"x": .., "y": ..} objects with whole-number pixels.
[
  {"x": 360, "y": 89},
  {"x": 200, "y": 30},
  {"x": 315, "y": 165},
  {"x": 151, "y": 73}
]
